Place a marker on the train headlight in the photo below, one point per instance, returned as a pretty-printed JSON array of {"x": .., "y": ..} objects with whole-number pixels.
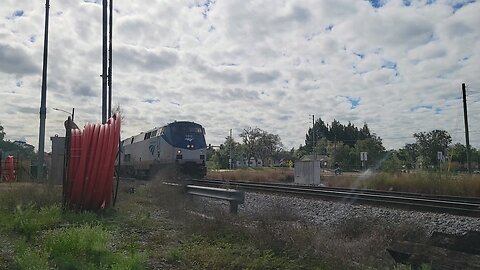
[{"x": 179, "y": 151}]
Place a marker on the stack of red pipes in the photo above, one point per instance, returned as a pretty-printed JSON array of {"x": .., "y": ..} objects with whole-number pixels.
[
  {"x": 8, "y": 169},
  {"x": 91, "y": 166}
]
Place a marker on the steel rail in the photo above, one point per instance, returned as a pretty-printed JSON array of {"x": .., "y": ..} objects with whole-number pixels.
[
  {"x": 366, "y": 191},
  {"x": 437, "y": 203}
]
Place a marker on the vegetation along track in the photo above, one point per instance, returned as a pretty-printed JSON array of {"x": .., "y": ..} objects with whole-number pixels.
[{"x": 467, "y": 206}]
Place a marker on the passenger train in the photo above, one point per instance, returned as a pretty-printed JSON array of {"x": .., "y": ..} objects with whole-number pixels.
[{"x": 179, "y": 146}]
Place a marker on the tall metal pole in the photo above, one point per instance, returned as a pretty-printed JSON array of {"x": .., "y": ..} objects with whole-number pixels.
[
  {"x": 104, "y": 62},
  {"x": 110, "y": 62},
  {"x": 467, "y": 137},
  {"x": 231, "y": 142},
  {"x": 313, "y": 140},
  {"x": 43, "y": 102}
]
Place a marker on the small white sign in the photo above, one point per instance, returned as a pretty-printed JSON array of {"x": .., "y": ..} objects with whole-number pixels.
[
  {"x": 363, "y": 156},
  {"x": 439, "y": 155}
]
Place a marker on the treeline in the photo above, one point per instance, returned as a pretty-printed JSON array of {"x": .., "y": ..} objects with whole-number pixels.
[
  {"x": 339, "y": 143},
  {"x": 336, "y": 132},
  {"x": 433, "y": 150},
  {"x": 343, "y": 143},
  {"x": 256, "y": 144},
  {"x": 10, "y": 148}
]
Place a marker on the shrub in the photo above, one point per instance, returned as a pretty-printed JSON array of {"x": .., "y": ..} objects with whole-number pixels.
[
  {"x": 21, "y": 194},
  {"x": 88, "y": 247},
  {"x": 27, "y": 220},
  {"x": 202, "y": 253},
  {"x": 83, "y": 217},
  {"x": 28, "y": 259}
]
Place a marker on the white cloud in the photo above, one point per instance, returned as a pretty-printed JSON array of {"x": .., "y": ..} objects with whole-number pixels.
[{"x": 234, "y": 64}]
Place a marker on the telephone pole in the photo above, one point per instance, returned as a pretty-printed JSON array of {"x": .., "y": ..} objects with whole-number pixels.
[
  {"x": 467, "y": 137},
  {"x": 313, "y": 139},
  {"x": 43, "y": 102},
  {"x": 109, "y": 107},
  {"x": 231, "y": 142},
  {"x": 104, "y": 61}
]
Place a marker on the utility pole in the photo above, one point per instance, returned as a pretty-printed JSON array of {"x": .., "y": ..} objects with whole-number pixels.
[
  {"x": 109, "y": 107},
  {"x": 313, "y": 140},
  {"x": 231, "y": 142},
  {"x": 43, "y": 102},
  {"x": 467, "y": 137},
  {"x": 104, "y": 62}
]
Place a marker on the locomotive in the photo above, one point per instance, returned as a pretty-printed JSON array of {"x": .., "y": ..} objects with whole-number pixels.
[{"x": 178, "y": 146}]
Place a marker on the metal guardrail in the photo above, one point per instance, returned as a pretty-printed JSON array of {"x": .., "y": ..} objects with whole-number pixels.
[{"x": 235, "y": 197}]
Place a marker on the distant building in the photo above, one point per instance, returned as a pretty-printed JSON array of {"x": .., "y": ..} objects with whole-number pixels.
[{"x": 249, "y": 163}]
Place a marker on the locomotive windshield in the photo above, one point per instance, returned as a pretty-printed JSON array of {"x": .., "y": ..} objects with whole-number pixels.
[{"x": 185, "y": 135}]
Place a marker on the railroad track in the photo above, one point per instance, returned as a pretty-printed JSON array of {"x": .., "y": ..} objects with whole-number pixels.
[{"x": 467, "y": 206}]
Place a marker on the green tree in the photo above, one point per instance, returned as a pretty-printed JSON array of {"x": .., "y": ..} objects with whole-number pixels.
[
  {"x": 10, "y": 148},
  {"x": 374, "y": 148},
  {"x": 221, "y": 156},
  {"x": 268, "y": 146},
  {"x": 318, "y": 132},
  {"x": 260, "y": 144},
  {"x": 2, "y": 133},
  {"x": 339, "y": 153},
  {"x": 430, "y": 143},
  {"x": 458, "y": 153},
  {"x": 408, "y": 155},
  {"x": 322, "y": 146},
  {"x": 392, "y": 163},
  {"x": 251, "y": 137}
]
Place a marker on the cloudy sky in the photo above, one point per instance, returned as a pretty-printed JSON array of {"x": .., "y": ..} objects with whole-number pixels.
[{"x": 397, "y": 65}]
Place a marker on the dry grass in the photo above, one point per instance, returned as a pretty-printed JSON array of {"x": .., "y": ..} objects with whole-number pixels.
[
  {"x": 156, "y": 220},
  {"x": 429, "y": 183},
  {"x": 265, "y": 175},
  {"x": 355, "y": 243},
  {"x": 13, "y": 195},
  {"x": 419, "y": 182}
]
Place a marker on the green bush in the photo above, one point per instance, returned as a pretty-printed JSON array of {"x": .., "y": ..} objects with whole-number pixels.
[
  {"x": 202, "y": 253},
  {"x": 28, "y": 220},
  {"x": 28, "y": 259},
  {"x": 88, "y": 247},
  {"x": 22, "y": 194},
  {"x": 84, "y": 217}
]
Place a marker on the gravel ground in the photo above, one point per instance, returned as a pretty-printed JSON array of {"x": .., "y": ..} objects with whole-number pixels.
[{"x": 331, "y": 213}]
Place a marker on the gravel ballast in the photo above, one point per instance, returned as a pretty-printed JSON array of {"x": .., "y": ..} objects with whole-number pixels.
[{"x": 331, "y": 213}]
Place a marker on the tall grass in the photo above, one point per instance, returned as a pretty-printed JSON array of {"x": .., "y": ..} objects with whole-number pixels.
[
  {"x": 28, "y": 221},
  {"x": 202, "y": 253},
  {"x": 429, "y": 183},
  {"x": 22, "y": 194},
  {"x": 31, "y": 259},
  {"x": 280, "y": 239},
  {"x": 255, "y": 175},
  {"x": 88, "y": 247},
  {"x": 46, "y": 236},
  {"x": 419, "y": 182}
]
